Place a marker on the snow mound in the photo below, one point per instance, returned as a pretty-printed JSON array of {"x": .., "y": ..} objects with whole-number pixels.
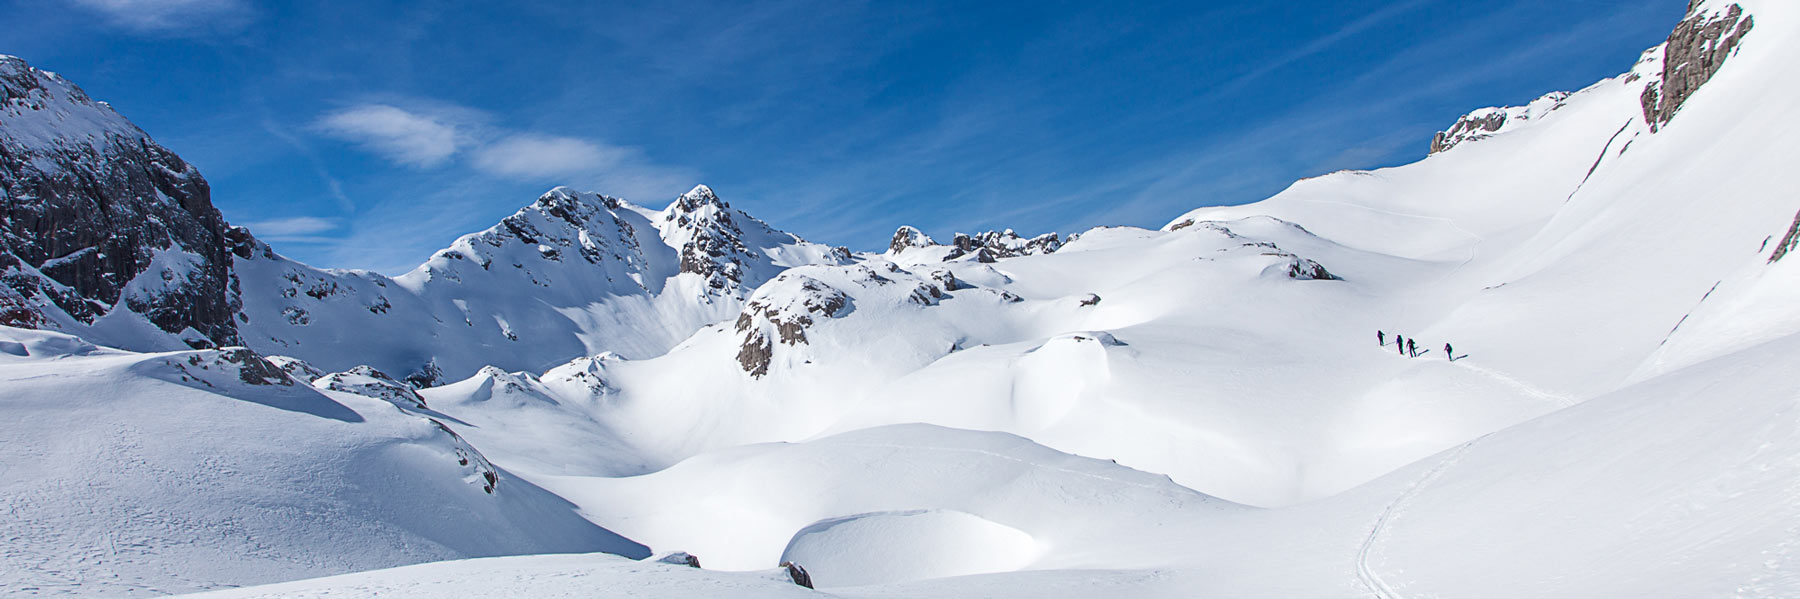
[{"x": 887, "y": 547}]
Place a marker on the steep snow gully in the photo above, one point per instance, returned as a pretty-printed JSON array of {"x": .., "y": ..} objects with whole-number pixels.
[{"x": 689, "y": 402}]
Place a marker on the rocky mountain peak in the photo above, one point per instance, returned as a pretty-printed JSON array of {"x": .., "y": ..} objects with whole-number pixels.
[
  {"x": 96, "y": 215},
  {"x": 910, "y": 237},
  {"x": 697, "y": 199}
]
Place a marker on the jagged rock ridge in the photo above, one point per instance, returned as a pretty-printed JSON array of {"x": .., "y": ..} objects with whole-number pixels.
[{"x": 1695, "y": 51}]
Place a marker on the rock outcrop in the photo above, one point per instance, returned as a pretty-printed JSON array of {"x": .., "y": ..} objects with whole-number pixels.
[
  {"x": 1696, "y": 49},
  {"x": 782, "y": 311},
  {"x": 1487, "y": 122},
  {"x": 907, "y": 237},
  {"x": 369, "y": 382},
  {"x": 94, "y": 215},
  {"x": 1005, "y": 244}
]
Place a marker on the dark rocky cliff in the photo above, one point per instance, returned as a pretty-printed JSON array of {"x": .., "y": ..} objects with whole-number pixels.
[{"x": 95, "y": 215}]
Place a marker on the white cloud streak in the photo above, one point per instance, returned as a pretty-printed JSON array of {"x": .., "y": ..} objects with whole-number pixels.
[
  {"x": 406, "y": 137},
  {"x": 292, "y": 226},
  {"x": 171, "y": 16},
  {"x": 531, "y": 155}
]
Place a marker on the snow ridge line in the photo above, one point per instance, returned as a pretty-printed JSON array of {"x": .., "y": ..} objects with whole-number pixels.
[
  {"x": 1474, "y": 248},
  {"x": 1378, "y": 587}
]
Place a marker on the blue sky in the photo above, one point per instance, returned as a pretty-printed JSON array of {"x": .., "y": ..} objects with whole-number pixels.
[{"x": 368, "y": 134}]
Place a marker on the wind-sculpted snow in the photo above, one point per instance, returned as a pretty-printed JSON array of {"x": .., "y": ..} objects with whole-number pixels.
[{"x": 136, "y": 473}]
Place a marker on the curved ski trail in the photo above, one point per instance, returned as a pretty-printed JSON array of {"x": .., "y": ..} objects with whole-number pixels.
[{"x": 1378, "y": 587}]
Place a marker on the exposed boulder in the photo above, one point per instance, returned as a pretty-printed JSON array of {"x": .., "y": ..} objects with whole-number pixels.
[
  {"x": 1696, "y": 49},
  {"x": 1304, "y": 269},
  {"x": 798, "y": 574}
]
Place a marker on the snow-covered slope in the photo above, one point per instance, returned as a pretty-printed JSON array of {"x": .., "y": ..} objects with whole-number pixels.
[
  {"x": 143, "y": 474},
  {"x": 1197, "y": 411}
]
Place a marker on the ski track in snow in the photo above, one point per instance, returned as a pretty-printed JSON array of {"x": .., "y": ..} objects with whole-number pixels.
[
  {"x": 1559, "y": 399},
  {"x": 1378, "y": 587}
]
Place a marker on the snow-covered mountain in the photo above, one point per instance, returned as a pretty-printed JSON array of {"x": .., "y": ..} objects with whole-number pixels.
[
  {"x": 1201, "y": 410},
  {"x": 573, "y": 274}
]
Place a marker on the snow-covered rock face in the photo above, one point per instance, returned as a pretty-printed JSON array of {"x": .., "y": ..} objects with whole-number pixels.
[
  {"x": 985, "y": 247},
  {"x": 990, "y": 245},
  {"x": 730, "y": 250},
  {"x": 369, "y": 382},
  {"x": 572, "y": 274},
  {"x": 1696, "y": 49},
  {"x": 781, "y": 311},
  {"x": 94, "y": 214},
  {"x": 907, "y": 237}
]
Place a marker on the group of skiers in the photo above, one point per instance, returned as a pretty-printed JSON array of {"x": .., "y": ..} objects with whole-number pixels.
[{"x": 1409, "y": 347}]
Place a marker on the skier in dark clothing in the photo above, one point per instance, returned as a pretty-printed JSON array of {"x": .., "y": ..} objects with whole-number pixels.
[
  {"x": 1398, "y": 346},
  {"x": 1449, "y": 353},
  {"x": 1381, "y": 338},
  {"x": 1410, "y": 348}
]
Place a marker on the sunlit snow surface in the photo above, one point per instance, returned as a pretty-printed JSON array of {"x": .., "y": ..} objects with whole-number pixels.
[{"x": 1621, "y": 420}]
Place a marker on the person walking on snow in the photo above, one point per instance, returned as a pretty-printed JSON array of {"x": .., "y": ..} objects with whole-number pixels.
[
  {"x": 1381, "y": 338},
  {"x": 1448, "y": 353},
  {"x": 1411, "y": 349},
  {"x": 1398, "y": 346}
]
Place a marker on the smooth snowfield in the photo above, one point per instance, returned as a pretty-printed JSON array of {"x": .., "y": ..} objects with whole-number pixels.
[
  {"x": 537, "y": 576},
  {"x": 146, "y": 474}
]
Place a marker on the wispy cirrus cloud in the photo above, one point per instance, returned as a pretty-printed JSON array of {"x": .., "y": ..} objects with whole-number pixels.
[
  {"x": 408, "y": 137},
  {"x": 533, "y": 155},
  {"x": 171, "y": 16},
  {"x": 292, "y": 226},
  {"x": 434, "y": 134}
]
